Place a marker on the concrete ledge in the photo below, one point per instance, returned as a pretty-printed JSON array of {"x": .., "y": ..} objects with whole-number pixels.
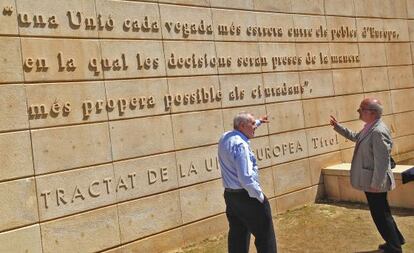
[{"x": 338, "y": 187}]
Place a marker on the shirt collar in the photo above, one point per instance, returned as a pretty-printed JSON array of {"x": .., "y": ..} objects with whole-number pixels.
[
  {"x": 369, "y": 125},
  {"x": 244, "y": 137}
]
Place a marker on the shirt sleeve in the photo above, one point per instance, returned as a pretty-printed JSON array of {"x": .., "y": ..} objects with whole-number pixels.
[{"x": 246, "y": 174}]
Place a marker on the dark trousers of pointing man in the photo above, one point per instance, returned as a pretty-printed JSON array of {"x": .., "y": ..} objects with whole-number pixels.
[{"x": 247, "y": 208}]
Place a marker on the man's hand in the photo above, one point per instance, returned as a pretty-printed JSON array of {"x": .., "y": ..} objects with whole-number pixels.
[
  {"x": 264, "y": 119},
  {"x": 333, "y": 121}
]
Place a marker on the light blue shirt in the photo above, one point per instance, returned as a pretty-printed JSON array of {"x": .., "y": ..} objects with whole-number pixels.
[{"x": 238, "y": 164}]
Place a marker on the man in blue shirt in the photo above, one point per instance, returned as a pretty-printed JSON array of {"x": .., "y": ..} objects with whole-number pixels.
[{"x": 247, "y": 208}]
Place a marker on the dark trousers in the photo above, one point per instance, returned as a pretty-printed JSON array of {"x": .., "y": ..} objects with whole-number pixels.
[
  {"x": 247, "y": 215},
  {"x": 381, "y": 214}
]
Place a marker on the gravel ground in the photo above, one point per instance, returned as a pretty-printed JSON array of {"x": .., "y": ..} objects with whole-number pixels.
[{"x": 323, "y": 228}]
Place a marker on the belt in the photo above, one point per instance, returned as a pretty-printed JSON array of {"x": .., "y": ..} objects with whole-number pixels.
[{"x": 234, "y": 190}]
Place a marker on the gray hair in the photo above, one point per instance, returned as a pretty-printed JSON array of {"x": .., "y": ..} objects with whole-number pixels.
[
  {"x": 241, "y": 117},
  {"x": 375, "y": 106}
]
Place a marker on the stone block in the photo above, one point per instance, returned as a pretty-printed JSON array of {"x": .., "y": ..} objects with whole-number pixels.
[
  {"x": 26, "y": 239},
  {"x": 410, "y": 24},
  {"x": 290, "y": 177},
  {"x": 331, "y": 184},
  {"x": 232, "y": 25},
  {"x": 187, "y": 2},
  {"x": 193, "y": 94},
  {"x": 410, "y": 8},
  {"x": 198, "y": 231},
  {"x": 369, "y": 8},
  {"x": 132, "y": 59},
  {"x": 314, "y": 55},
  {"x": 317, "y": 112},
  {"x": 185, "y": 22},
  {"x": 62, "y": 59},
  {"x": 57, "y": 104},
  {"x": 87, "y": 232},
  {"x": 398, "y": 53},
  {"x": 281, "y": 57},
  {"x": 261, "y": 149},
  {"x": 245, "y": 57},
  {"x": 148, "y": 216},
  {"x": 286, "y": 116},
  {"x": 18, "y": 203},
  {"x": 373, "y": 54},
  {"x": 288, "y": 146},
  {"x": 347, "y": 81},
  {"x": 13, "y": 115},
  {"x": 237, "y": 4},
  {"x": 374, "y": 79},
  {"x": 404, "y": 144},
  {"x": 70, "y": 192},
  {"x": 307, "y": 6},
  {"x": 339, "y": 7},
  {"x": 267, "y": 182},
  {"x": 283, "y": 86},
  {"x": 137, "y": 98},
  {"x": 241, "y": 90},
  {"x": 399, "y": 26},
  {"x": 401, "y": 196},
  {"x": 9, "y": 18},
  {"x": 344, "y": 55},
  {"x": 317, "y": 163},
  {"x": 347, "y": 106},
  {"x": 59, "y": 18},
  {"x": 257, "y": 111},
  {"x": 347, "y": 155},
  {"x": 279, "y": 23},
  {"x": 402, "y": 100},
  {"x": 395, "y": 9},
  {"x": 296, "y": 199},
  {"x": 16, "y": 158},
  {"x": 366, "y": 28},
  {"x": 202, "y": 200},
  {"x": 322, "y": 140},
  {"x": 144, "y": 176},
  {"x": 158, "y": 243},
  {"x": 400, "y": 77},
  {"x": 403, "y": 123},
  {"x": 57, "y": 149},
  {"x": 273, "y": 5},
  {"x": 310, "y": 28},
  {"x": 152, "y": 135},
  {"x": 192, "y": 58},
  {"x": 197, "y": 165},
  {"x": 341, "y": 29},
  {"x": 320, "y": 83},
  {"x": 207, "y": 126},
  {"x": 11, "y": 68},
  {"x": 134, "y": 20}
]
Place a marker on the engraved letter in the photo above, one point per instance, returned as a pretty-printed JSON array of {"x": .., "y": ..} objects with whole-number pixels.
[{"x": 93, "y": 193}]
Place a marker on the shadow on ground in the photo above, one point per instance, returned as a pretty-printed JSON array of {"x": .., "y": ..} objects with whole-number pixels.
[{"x": 325, "y": 227}]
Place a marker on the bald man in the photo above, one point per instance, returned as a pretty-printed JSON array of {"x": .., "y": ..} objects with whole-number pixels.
[{"x": 371, "y": 169}]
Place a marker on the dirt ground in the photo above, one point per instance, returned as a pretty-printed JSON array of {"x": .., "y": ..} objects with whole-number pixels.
[{"x": 323, "y": 228}]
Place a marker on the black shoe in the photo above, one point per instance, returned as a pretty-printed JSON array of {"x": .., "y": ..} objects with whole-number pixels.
[{"x": 382, "y": 246}]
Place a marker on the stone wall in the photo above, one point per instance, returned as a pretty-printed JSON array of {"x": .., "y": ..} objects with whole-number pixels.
[{"x": 110, "y": 111}]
